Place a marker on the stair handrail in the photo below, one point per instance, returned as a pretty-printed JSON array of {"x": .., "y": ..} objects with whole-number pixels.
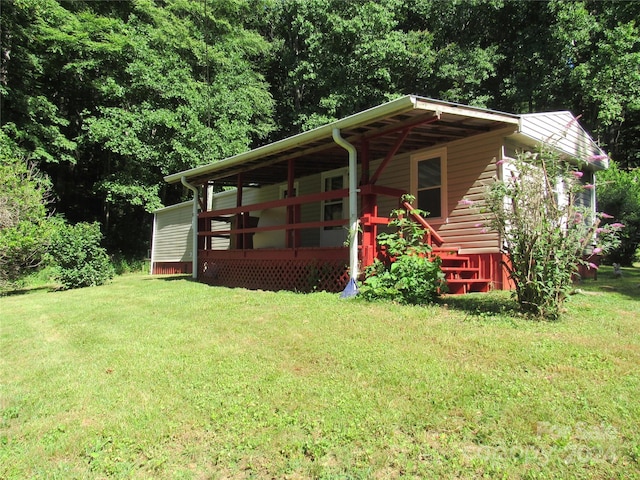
[{"x": 432, "y": 235}]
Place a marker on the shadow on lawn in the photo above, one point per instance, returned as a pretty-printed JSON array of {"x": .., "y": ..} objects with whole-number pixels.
[
  {"x": 496, "y": 304},
  {"x": 172, "y": 278},
  {"x": 27, "y": 290},
  {"x": 483, "y": 304}
]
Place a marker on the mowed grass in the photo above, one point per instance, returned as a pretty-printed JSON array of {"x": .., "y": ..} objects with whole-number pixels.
[{"x": 161, "y": 377}]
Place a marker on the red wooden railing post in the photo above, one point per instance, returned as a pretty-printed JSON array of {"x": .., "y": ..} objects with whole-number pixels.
[{"x": 433, "y": 235}]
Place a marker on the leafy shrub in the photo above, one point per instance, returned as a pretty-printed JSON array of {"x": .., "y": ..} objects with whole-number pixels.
[
  {"x": 544, "y": 229},
  {"x": 410, "y": 279},
  {"x": 22, "y": 248},
  {"x": 409, "y": 276},
  {"x": 24, "y": 224},
  {"x": 79, "y": 259},
  {"x": 619, "y": 196}
]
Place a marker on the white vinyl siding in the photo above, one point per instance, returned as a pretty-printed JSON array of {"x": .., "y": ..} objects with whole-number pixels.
[
  {"x": 561, "y": 130},
  {"x": 172, "y": 236}
]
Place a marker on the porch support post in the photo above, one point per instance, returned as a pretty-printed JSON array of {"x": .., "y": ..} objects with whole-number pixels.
[
  {"x": 353, "y": 212},
  {"x": 364, "y": 160},
  {"x": 205, "y": 242},
  {"x": 194, "y": 227},
  {"x": 368, "y": 209},
  {"x": 291, "y": 240},
  {"x": 239, "y": 216}
]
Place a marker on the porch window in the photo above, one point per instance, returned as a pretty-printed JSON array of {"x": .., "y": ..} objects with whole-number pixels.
[
  {"x": 333, "y": 209},
  {"x": 429, "y": 183}
]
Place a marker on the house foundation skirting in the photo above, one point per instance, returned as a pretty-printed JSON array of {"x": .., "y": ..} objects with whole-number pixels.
[
  {"x": 318, "y": 269},
  {"x": 303, "y": 270},
  {"x": 171, "y": 268}
]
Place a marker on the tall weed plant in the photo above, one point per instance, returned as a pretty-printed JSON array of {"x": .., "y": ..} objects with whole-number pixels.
[
  {"x": 408, "y": 275},
  {"x": 546, "y": 227}
]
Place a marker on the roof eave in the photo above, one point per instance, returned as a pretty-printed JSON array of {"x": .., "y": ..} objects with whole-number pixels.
[
  {"x": 396, "y": 106},
  {"x": 600, "y": 164}
]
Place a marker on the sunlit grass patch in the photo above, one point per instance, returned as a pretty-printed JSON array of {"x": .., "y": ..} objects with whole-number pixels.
[{"x": 167, "y": 378}]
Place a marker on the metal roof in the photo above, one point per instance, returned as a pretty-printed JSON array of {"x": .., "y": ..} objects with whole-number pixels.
[{"x": 431, "y": 122}]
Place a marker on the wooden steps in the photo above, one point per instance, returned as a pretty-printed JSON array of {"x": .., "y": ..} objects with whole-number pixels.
[{"x": 460, "y": 274}]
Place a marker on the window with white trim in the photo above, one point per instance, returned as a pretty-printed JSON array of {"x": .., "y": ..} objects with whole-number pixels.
[
  {"x": 333, "y": 209},
  {"x": 429, "y": 182}
]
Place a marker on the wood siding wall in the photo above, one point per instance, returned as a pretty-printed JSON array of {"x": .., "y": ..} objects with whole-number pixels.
[{"x": 470, "y": 168}]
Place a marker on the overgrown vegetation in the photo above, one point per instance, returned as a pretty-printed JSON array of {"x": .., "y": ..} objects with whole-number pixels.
[
  {"x": 619, "y": 196},
  {"x": 545, "y": 227},
  {"x": 146, "y": 378},
  {"x": 31, "y": 238},
  {"x": 24, "y": 224},
  {"x": 78, "y": 259},
  {"x": 408, "y": 274}
]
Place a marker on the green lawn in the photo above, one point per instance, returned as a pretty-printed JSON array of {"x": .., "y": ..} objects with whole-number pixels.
[{"x": 160, "y": 377}]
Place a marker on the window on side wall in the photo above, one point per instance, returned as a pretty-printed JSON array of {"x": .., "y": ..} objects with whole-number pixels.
[
  {"x": 429, "y": 182},
  {"x": 335, "y": 208}
]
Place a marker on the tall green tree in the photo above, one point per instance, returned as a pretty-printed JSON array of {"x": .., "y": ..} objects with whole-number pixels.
[
  {"x": 111, "y": 96},
  {"x": 333, "y": 58},
  {"x": 600, "y": 43}
]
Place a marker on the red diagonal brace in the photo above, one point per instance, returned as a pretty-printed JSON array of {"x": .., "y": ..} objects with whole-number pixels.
[{"x": 403, "y": 136}]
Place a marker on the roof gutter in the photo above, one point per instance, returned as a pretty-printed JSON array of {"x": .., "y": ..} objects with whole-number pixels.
[
  {"x": 401, "y": 104},
  {"x": 194, "y": 227}
]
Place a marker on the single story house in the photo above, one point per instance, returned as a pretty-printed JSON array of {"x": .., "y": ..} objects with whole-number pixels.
[{"x": 303, "y": 213}]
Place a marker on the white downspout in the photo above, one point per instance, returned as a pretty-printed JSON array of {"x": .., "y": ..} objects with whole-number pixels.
[
  {"x": 153, "y": 244},
  {"x": 353, "y": 202},
  {"x": 194, "y": 227}
]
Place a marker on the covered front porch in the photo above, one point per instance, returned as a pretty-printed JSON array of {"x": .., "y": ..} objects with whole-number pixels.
[
  {"x": 317, "y": 268},
  {"x": 305, "y": 211}
]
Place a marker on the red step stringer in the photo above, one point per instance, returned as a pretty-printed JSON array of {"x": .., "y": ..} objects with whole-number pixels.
[{"x": 461, "y": 275}]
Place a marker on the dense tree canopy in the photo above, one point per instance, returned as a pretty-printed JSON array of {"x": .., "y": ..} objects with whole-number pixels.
[
  {"x": 110, "y": 96},
  {"x": 107, "y": 97}
]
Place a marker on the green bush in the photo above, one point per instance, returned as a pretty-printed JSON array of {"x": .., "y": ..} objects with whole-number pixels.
[
  {"x": 24, "y": 224},
  {"x": 409, "y": 276},
  {"x": 619, "y": 196},
  {"x": 22, "y": 247},
  {"x": 410, "y": 279},
  {"x": 79, "y": 259}
]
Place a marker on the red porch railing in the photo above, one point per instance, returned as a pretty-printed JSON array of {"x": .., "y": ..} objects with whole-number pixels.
[
  {"x": 432, "y": 236},
  {"x": 244, "y": 227},
  {"x": 292, "y": 267}
]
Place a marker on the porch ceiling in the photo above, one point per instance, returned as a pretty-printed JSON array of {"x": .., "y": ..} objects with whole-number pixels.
[{"x": 431, "y": 122}]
